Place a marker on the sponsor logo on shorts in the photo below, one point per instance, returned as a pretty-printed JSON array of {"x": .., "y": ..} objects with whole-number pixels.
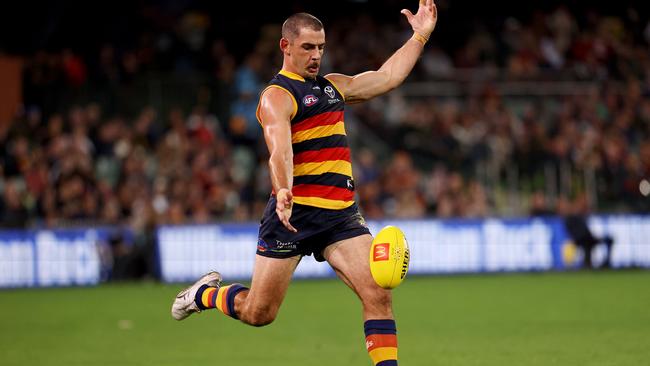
[
  {"x": 309, "y": 100},
  {"x": 276, "y": 246},
  {"x": 381, "y": 252},
  {"x": 283, "y": 245},
  {"x": 359, "y": 219},
  {"x": 261, "y": 245}
]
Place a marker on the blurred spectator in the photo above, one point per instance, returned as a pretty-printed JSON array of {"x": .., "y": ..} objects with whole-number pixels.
[
  {"x": 14, "y": 214},
  {"x": 538, "y": 205},
  {"x": 247, "y": 86}
]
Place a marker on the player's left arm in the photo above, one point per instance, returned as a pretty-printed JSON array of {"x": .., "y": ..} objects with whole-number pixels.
[{"x": 392, "y": 73}]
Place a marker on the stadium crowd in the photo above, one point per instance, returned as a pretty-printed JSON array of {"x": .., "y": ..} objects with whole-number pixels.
[{"x": 94, "y": 144}]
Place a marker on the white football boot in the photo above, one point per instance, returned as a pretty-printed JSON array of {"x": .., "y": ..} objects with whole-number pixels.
[{"x": 184, "y": 304}]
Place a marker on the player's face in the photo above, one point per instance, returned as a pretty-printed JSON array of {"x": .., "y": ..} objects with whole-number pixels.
[{"x": 306, "y": 52}]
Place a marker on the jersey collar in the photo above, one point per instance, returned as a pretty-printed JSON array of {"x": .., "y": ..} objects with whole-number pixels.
[{"x": 291, "y": 75}]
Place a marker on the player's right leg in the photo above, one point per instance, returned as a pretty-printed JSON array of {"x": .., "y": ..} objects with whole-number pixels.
[
  {"x": 256, "y": 306},
  {"x": 276, "y": 260}
]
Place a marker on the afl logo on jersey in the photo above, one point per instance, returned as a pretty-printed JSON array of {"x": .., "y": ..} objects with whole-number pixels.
[{"x": 309, "y": 100}]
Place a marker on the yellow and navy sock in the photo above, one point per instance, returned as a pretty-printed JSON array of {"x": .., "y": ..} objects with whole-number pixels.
[
  {"x": 381, "y": 341},
  {"x": 222, "y": 298}
]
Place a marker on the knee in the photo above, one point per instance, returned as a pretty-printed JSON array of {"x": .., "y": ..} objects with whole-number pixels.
[
  {"x": 377, "y": 298},
  {"x": 260, "y": 320},
  {"x": 259, "y": 317}
]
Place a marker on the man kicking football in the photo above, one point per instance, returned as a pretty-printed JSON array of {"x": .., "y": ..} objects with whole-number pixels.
[{"x": 312, "y": 208}]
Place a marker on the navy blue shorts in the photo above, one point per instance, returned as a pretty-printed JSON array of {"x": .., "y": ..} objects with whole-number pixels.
[{"x": 317, "y": 228}]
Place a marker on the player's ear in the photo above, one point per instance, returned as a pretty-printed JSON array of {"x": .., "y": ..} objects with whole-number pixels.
[{"x": 284, "y": 45}]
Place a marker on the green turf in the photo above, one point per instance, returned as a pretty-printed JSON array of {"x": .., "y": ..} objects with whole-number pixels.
[{"x": 526, "y": 319}]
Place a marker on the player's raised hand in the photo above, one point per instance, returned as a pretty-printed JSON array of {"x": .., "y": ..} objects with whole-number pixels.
[
  {"x": 284, "y": 206},
  {"x": 424, "y": 21}
]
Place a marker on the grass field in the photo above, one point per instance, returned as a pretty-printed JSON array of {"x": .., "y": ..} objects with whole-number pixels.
[{"x": 523, "y": 319}]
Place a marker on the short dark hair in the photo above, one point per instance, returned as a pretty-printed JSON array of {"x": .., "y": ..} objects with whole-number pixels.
[{"x": 292, "y": 26}]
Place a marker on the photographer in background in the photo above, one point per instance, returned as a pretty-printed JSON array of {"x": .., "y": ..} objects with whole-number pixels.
[{"x": 575, "y": 222}]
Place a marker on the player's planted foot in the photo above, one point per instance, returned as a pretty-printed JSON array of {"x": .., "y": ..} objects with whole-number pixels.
[{"x": 184, "y": 303}]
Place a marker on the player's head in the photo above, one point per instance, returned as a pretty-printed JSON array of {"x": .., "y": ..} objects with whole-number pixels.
[{"x": 302, "y": 43}]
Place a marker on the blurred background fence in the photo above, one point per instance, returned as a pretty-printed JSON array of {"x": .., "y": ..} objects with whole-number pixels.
[{"x": 183, "y": 253}]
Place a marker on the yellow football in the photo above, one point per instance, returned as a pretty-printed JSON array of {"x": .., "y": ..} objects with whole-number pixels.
[{"x": 389, "y": 257}]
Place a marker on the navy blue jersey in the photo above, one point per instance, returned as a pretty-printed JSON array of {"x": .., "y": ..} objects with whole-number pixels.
[{"x": 322, "y": 169}]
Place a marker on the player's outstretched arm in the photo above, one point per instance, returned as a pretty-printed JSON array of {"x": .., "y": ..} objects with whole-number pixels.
[
  {"x": 392, "y": 73},
  {"x": 275, "y": 112}
]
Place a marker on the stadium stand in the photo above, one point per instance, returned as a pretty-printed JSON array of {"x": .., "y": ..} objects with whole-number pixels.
[{"x": 519, "y": 116}]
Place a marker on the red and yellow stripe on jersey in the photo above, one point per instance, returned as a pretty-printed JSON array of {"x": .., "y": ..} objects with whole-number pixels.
[{"x": 319, "y": 173}]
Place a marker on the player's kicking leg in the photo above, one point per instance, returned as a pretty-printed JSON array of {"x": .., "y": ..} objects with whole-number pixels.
[
  {"x": 256, "y": 306},
  {"x": 349, "y": 258}
]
